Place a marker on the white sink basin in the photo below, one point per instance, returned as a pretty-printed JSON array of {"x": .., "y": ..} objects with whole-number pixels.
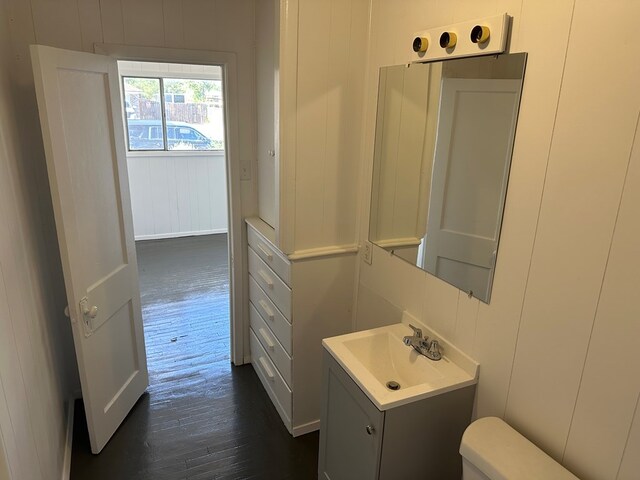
[{"x": 375, "y": 357}]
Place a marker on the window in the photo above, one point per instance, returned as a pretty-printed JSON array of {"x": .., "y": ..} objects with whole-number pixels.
[{"x": 173, "y": 114}]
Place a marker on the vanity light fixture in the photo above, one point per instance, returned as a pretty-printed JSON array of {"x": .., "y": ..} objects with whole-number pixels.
[
  {"x": 420, "y": 44},
  {"x": 464, "y": 39},
  {"x": 448, "y": 40},
  {"x": 480, "y": 34}
]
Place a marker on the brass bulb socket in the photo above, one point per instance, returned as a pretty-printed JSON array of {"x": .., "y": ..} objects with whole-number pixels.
[
  {"x": 420, "y": 44},
  {"x": 448, "y": 39},
  {"x": 480, "y": 34}
]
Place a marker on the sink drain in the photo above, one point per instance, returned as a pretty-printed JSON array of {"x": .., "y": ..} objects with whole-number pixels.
[{"x": 391, "y": 385}]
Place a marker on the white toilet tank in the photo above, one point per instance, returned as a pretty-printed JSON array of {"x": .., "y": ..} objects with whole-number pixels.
[{"x": 492, "y": 450}]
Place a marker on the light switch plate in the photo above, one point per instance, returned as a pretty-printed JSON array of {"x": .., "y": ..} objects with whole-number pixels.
[{"x": 245, "y": 172}]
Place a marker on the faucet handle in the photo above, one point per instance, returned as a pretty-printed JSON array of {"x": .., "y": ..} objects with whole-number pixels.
[
  {"x": 434, "y": 352},
  {"x": 417, "y": 331}
]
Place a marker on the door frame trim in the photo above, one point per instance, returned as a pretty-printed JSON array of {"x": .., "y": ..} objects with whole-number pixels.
[{"x": 234, "y": 164}]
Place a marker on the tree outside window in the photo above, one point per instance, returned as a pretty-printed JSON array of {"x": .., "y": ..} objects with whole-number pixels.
[{"x": 174, "y": 114}]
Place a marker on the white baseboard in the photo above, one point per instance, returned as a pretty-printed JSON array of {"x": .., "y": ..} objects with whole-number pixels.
[
  {"x": 306, "y": 428},
  {"x": 162, "y": 236},
  {"x": 66, "y": 465}
]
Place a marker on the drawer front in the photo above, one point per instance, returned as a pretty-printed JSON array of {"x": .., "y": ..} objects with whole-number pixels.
[
  {"x": 276, "y": 321},
  {"x": 274, "y": 287},
  {"x": 270, "y": 343},
  {"x": 274, "y": 383},
  {"x": 269, "y": 255}
]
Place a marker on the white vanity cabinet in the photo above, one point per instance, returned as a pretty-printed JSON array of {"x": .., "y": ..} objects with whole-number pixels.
[
  {"x": 417, "y": 440},
  {"x": 293, "y": 305}
]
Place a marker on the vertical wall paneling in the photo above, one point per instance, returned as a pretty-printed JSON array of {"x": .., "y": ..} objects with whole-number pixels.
[
  {"x": 314, "y": 35},
  {"x": 323, "y": 49},
  {"x": 143, "y": 23},
  {"x": 466, "y": 322},
  {"x": 90, "y": 23},
  {"x": 5, "y": 474},
  {"x": 287, "y": 108},
  {"x": 598, "y": 430},
  {"x": 498, "y": 323},
  {"x": 266, "y": 67},
  {"x": 589, "y": 156},
  {"x": 33, "y": 423},
  {"x": 338, "y": 175},
  {"x": 197, "y": 27},
  {"x": 18, "y": 439},
  {"x": 558, "y": 248},
  {"x": 57, "y": 22},
  {"x": 112, "y": 20},
  {"x": 440, "y": 306},
  {"x": 174, "y": 32},
  {"x": 630, "y": 465},
  {"x": 178, "y": 195}
]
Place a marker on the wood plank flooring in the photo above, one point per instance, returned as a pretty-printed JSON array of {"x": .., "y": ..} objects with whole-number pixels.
[{"x": 201, "y": 417}]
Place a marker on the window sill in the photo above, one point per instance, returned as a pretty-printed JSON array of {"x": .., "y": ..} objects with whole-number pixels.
[{"x": 175, "y": 153}]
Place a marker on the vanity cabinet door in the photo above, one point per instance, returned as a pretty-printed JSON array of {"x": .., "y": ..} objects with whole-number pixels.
[{"x": 351, "y": 428}]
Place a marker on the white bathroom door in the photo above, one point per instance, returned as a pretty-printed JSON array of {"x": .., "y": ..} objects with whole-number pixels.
[
  {"x": 470, "y": 173},
  {"x": 80, "y": 116}
]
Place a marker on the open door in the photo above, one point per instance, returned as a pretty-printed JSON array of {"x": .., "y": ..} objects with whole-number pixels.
[
  {"x": 470, "y": 172},
  {"x": 79, "y": 104}
]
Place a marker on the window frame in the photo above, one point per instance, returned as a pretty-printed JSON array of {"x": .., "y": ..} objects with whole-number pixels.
[{"x": 163, "y": 117}]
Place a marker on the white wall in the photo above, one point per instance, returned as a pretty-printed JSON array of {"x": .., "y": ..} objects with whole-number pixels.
[
  {"x": 177, "y": 194},
  {"x": 558, "y": 343},
  {"x": 218, "y": 25},
  {"x": 37, "y": 372},
  {"x": 267, "y": 12},
  {"x": 36, "y": 375},
  {"x": 323, "y": 47}
]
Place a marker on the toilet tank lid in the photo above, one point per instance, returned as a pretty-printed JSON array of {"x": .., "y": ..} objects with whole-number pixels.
[{"x": 501, "y": 453}]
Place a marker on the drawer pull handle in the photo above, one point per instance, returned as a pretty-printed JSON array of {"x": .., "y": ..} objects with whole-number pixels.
[
  {"x": 370, "y": 429},
  {"x": 266, "y": 309},
  {"x": 266, "y": 252},
  {"x": 265, "y": 367},
  {"x": 267, "y": 340},
  {"x": 266, "y": 278}
]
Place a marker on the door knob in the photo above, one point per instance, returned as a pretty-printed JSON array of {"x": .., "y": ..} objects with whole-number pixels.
[
  {"x": 91, "y": 312},
  {"x": 370, "y": 429}
]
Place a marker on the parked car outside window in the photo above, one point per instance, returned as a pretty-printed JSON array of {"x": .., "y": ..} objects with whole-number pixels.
[{"x": 147, "y": 135}]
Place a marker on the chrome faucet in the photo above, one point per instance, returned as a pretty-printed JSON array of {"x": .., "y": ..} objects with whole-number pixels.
[{"x": 422, "y": 345}]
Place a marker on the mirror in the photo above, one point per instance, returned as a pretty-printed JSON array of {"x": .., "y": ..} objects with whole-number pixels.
[{"x": 443, "y": 144}]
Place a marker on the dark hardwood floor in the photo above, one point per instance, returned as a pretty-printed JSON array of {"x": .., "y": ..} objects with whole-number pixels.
[{"x": 201, "y": 417}]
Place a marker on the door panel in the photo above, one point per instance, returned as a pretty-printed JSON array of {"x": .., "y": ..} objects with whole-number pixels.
[
  {"x": 79, "y": 104},
  {"x": 470, "y": 173},
  {"x": 351, "y": 428}
]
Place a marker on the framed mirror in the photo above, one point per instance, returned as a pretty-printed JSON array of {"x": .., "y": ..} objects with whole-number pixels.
[{"x": 443, "y": 144}]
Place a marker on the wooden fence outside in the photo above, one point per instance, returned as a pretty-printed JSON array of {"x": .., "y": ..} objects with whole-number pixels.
[{"x": 176, "y": 112}]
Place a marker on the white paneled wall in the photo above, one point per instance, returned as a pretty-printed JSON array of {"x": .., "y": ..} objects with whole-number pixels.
[
  {"x": 322, "y": 70},
  {"x": 557, "y": 345},
  {"x": 36, "y": 356},
  {"x": 267, "y": 15},
  {"x": 217, "y": 25},
  {"x": 177, "y": 195},
  {"x": 36, "y": 372}
]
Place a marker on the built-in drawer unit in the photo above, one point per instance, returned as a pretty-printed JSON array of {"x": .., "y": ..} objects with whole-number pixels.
[
  {"x": 270, "y": 343},
  {"x": 292, "y": 306},
  {"x": 272, "y": 284},
  {"x": 271, "y": 257},
  {"x": 270, "y": 313},
  {"x": 273, "y": 382}
]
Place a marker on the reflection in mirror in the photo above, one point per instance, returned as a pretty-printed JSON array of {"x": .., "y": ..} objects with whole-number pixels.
[{"x": 443, "y": 144}]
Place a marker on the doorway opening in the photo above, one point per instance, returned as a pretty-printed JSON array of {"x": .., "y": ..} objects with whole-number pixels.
[{"x": 174, "y": 122}]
